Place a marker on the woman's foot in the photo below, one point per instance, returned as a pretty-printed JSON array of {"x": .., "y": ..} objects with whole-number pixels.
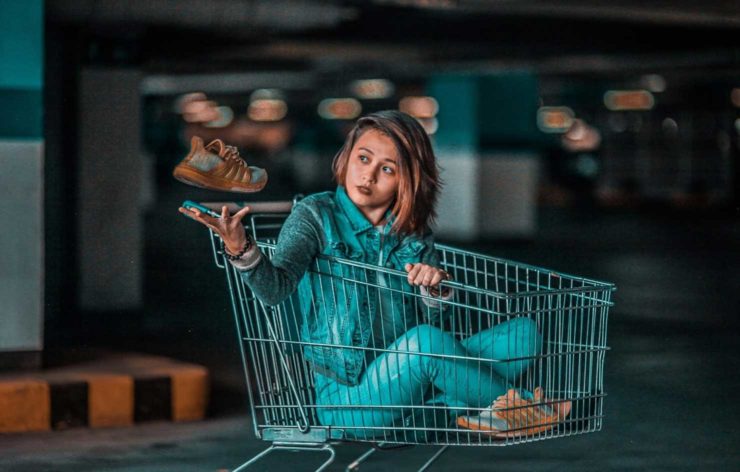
[{"x": 511, "y": 415}]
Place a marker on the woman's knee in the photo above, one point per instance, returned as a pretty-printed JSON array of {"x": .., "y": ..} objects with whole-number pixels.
[
  {"x": 517, "y": 341},
  {"x": 424, "y": 338},
  {"x": 524, "y": 336}
]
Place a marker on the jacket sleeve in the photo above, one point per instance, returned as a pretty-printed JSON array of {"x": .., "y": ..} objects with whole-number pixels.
[{"x": 273, "y": 280}]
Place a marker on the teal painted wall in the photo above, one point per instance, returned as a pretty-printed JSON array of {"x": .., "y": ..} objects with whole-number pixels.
[
  {"x": 21, "y": 68},
  {"x": 508, "y": 110},
  {"x": 486, "y": 112},
  {"x": 21, "y": 177},
  {"x": 457, "y": 95}
]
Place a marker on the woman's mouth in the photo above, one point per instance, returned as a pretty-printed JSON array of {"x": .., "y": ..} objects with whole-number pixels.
[{"x": 364, "y": 190}]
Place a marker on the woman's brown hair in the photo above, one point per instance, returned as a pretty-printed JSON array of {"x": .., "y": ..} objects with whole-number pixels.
[{"x": 419, "y": 182}]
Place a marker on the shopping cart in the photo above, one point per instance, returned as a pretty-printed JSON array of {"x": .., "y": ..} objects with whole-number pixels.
[{"x": 570, "y": 314}]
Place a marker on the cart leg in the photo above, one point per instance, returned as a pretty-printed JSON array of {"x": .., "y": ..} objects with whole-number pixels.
[
  {"x": 324, "y": 447},
  {"x": 433, "y": 458},
  {"x": 355, "y": 466}
]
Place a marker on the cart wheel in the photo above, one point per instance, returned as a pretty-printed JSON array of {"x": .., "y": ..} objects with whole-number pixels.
[{"x": 355, "y": 466}]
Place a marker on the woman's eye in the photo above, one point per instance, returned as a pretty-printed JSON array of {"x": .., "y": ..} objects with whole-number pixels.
[
  {"x": 387, "y": 170},
  {"x": 363, "y": 158}
]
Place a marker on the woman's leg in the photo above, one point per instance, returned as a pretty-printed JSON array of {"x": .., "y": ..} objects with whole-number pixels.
[
  {"x": 403, "y": 379},
  {"x": 513, "y": 339}
]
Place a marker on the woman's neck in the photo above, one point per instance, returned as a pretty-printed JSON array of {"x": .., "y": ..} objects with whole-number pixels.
[{"x": 376, "y": 216}]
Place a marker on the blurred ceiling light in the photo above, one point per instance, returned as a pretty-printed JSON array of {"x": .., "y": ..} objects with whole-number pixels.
[
  {"x": 433, "y": 4},
  {"x": 183, "y": 100},
  {"x": 653, "y": 82},
  {"x": 670, "y": 126},
  {"x": 197, "y": 106},
  {"x": 430, "y": 125},
  {"x": 226, "y": 116},
  {"x": 201, "y": 112},
  {"x": 555, "y": 119},
  {"x": 339, "y": 108},
  {"x": 735, "y": 97},
  {"x": 577, "y": 132},
  {"x": 419, "y": 107},
  {"x": 267, "y": 110},
  {"x": 617, "y": 122},
  {"x": 266, "y": 94},
  {"x": 620, "y": 100},
  {"x": 373, "y": 88},
  {"x": 587, "y": 165},
  {"x": 581, "y": 137}
]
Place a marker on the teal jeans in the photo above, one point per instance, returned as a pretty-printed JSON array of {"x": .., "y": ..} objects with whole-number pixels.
[{"x": 395, "y": 382}]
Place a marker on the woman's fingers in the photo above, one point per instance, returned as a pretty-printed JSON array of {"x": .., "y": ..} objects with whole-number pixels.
[
  {"x": 426, "y": 275},
  {"x": 413, "y": 270},
  {"x": 241, "y": 213},
  {"x": 207, "y": 220},
  {"x": 191, "y": 213},
  {"x": 421, "y": 275},
  {"x": 199, "y": 216}
]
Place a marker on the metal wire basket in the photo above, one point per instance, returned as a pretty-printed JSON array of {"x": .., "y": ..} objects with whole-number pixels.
[{"x": 569, "y": 313}]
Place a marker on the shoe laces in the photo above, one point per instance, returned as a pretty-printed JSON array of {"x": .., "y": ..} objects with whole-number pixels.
[{"x": 232, "y": 153}]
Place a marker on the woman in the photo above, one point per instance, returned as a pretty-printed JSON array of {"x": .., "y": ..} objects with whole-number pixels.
[{"x": 381, "y": 214}]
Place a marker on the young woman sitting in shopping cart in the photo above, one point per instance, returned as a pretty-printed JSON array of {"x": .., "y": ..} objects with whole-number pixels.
[{"x": 380, "y": 214}]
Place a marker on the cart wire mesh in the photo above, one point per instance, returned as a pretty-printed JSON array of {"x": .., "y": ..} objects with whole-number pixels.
[{"x": 554, "y": 341}]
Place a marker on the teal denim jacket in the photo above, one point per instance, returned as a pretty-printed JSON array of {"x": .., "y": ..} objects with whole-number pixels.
[{"x": 336, "y": 312}]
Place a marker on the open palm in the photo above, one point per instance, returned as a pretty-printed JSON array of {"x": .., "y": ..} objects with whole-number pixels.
[{"x": 228, "y": 227}]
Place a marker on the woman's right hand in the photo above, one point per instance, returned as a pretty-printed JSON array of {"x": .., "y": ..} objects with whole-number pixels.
[{"x": 229, "y": 227}]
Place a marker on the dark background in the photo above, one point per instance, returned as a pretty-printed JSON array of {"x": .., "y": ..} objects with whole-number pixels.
[{"x": 668, "y": 236}]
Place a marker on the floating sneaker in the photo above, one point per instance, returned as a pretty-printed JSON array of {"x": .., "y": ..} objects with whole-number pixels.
[
  {"x": 512, "y": 416},
  {"x": 218, "y": 166}
]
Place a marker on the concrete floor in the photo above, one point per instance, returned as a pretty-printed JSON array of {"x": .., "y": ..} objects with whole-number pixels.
[
  {"x": 671, "y": 406},
  {"x": 671, "y": 375}
]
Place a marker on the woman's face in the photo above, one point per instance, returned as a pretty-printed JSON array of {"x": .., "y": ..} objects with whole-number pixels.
[{"x": 372, "y": 174}]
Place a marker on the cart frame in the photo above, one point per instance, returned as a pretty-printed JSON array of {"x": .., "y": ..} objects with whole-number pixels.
[{"x": 571, "y": 314}]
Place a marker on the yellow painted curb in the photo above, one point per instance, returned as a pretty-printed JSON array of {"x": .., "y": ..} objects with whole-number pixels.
[
  {"x": 24, "y": 406},
  {"x": 110, "y": 400},
  {"x": 190, "y": 390},
  {"x": 111, "y": 384}
]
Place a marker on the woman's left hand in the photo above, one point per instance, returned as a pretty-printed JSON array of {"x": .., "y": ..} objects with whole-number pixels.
[{"x": 425, "y": 275}]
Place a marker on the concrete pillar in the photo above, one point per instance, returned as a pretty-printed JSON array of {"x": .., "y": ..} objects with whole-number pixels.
[
  {"x": 110, "y": 175},
  {"x": 456, "y": 147},
  {"x": 21, "y": 183},
  {"x": 486, "y": 146},
  {"x": 508, "y": 194}
]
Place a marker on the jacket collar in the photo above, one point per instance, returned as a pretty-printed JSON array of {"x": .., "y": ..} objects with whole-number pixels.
[{"x": 357, "y": 220}]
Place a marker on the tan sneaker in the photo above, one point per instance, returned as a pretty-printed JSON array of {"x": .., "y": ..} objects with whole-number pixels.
[
  {"x": 218, "y": 166},
  {"x": 512, "y": 416},
  {"x": 529, "y": 417}
]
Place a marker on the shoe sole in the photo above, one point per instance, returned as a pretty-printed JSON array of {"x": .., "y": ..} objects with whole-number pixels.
[
  {"x": 197, "y": 179},
  {"x": 548, "y": 424},
  {"x": 498, "y": 434},
  {"x": 463, "y": 422},
  {"x": 533, "y": 418}
]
